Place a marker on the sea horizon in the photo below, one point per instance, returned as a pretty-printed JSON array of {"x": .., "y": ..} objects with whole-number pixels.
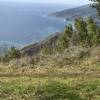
[{"x": 26, "y": 23}]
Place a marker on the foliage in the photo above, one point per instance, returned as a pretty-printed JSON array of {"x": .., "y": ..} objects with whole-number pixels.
[
  {"x": 97, "y": 5},
  {"x": 46, "y": 49},
  {"x": 84, "y": 33},
  {"x": 64, "y": 40},
  {"x": 13, "y": 53}
]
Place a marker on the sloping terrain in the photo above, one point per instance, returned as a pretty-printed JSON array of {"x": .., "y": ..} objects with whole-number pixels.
[
  {"x": 35, "y": 48},
  {"x": 80, "y": 81},
  {"x": 71, "y": 14}
]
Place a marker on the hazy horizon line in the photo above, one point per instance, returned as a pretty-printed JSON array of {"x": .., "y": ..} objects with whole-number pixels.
[{"x": 44, "y": 3}]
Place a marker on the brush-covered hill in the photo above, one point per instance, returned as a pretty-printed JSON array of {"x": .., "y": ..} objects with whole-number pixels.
[{"x": 71, "y": 14}]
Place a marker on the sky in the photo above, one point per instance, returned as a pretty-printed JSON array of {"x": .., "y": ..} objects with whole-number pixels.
[{"x": 53, "y": 1}]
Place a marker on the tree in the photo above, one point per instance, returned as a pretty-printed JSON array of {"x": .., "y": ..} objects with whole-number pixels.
[
  {"x": 81, "y": 28},
  {"x": 68, "y": 31},
  {"x": 65, "y": 38},
  {"x": 88, "y": 31},
  {"x": 97, "y": 5},
  {"x": 13, "y": 53},
  {"x": 93, "y": 31},
  {"x": 47, "y": 49},
  {"x": 80, "y": 25},
  {"x": 98, "y": 35}
]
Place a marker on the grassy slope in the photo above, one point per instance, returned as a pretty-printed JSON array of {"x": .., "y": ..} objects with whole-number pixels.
[
  {"x": 69, "y": 82},
  {"x": 26, "y": 88}
]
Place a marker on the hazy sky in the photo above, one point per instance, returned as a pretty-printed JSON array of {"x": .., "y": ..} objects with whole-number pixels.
[{"x": 54, "y": 1}]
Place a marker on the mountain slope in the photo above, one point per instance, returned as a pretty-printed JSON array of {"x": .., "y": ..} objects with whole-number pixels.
[
  {"x": 71, "y": 14},
  {"x": 34, "y": 49}
]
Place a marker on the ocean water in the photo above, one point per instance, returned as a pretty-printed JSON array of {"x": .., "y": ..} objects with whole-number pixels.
[{"x": 25, "y": 23}]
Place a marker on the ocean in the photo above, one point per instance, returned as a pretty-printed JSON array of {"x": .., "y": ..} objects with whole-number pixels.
[{"x": 25, "y": 23}]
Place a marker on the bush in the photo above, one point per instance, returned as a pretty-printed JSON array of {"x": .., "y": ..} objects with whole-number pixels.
[
  {"x": 13, "y": 53},
  {"x": 84, "y": 54}
]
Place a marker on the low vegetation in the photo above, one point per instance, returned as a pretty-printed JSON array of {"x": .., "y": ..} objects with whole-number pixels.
[
  {"x": 84, "y": 33},
  {"x": 67, "y": 69},
  {"x": 49, "y": 77},
  {"x": 25, "y": 88},
  {"x": 97, "y": 5}
]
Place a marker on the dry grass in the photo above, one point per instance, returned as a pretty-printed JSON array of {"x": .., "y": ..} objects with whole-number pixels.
[{"x": 24, "y": 80}]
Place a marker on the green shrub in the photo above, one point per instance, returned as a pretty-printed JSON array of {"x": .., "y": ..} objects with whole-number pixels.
[
  {"x": 13, "y": 53},
  {"x": 84, "y": 54}
]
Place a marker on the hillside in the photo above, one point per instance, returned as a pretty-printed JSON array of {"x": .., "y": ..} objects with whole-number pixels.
[
  {"x": 35, "y": 48},
  {"x": 72, "y": 14}
]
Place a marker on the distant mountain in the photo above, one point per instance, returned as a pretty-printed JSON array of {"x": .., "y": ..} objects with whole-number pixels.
[{"x": 72, "y": 14}]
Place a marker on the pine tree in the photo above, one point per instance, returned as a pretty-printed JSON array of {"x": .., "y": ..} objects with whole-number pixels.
[
  {"x": 81, "y": 28},
  {"x": 64, "y": 40}
]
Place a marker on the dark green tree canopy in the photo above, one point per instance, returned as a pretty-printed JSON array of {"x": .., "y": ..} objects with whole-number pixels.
[{"x": 97, "y": 5}]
